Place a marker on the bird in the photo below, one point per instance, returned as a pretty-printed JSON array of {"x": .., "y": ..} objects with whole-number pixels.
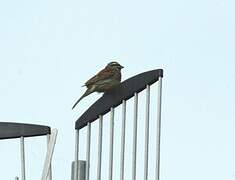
[{"x": 103, "y": 81}]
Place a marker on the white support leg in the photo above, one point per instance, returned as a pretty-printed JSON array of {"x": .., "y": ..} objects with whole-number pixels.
[
  {"x": 22, "y": 153},
  {"x": 49, "y": 154},
  {"x": 50, "y": 172},
  {"x": 76, "y": 168},
  {"x": 158, "y": 143}
]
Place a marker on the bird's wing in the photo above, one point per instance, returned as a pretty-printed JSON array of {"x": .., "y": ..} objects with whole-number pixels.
[{"x": 102, "y": 75}]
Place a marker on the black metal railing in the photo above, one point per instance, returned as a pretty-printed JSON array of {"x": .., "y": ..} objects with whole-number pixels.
[
  {"x": 124, "y": 91},
  {"x": 10, "y": 130},
  {"x": 107, "y": 103}
]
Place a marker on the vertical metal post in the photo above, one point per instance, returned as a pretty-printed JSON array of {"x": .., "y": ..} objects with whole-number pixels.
[
  {"x": 159, "y": 107},
  {"x": 88, "y": 149},
  {"x": 22, "y": 158},
  {"x": 111, "y": 144},
  {"x": 146, "y": 133},
  {"x": 122, "y": 161},
  {"x": 50, "y": 172},
  {"x": 76, "y": 154},
  {"x": 100, "y": 147},
  {"x": 134, "y": 136}
]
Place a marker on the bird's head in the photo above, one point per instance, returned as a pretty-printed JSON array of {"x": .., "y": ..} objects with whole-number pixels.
[{"x": 115, "y": 65}]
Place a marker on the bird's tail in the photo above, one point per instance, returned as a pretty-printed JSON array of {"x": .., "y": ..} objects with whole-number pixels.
[{"x": 88, "y": 91}]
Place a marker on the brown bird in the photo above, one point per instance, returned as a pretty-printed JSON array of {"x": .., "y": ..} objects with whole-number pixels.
[{"x": 105, "y": 80}]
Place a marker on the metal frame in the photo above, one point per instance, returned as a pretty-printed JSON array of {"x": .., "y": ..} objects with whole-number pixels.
[
  {"x": 107, "y": 103},
  {"x": 11, "y": 130},
  {"x": 114, "y": 97}
]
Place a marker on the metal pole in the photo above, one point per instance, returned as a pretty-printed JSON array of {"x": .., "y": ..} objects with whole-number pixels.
[
  {"x": 122, "y": 161},
  {"x": 22, "y": 158},
  {"x": 146, "y": 133},
  {"x": 111, "y": 144},
  {"x": 50, "y": 172},
  {"x": 159, "y": 107},
  {"x": 100, "y": 147},
  {"x": 88, "y": 150},
  {"x": 76, "y": 154},
  {"x": 134, "y": 136}
]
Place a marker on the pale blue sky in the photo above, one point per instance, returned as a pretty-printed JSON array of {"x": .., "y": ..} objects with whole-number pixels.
[{"x": 48, "y": 49}]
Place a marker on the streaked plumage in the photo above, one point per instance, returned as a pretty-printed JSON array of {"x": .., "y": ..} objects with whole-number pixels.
[{"x": 106, "y": 79}]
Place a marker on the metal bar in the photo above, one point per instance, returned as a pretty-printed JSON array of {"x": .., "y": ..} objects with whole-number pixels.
[
  {"x": 76, "y": 154},
  {"x": 159, "y": 108},
  {"x": 134, "y": 136},
  {"x": 111, "y": 144},
  {"x": 49, "y": 154},
  {"x": 146, "y": 152},
  {"x": 22, "y": 151},
  {"x": 50, "y": 172},
  {"x": 123, "y": 134},
  {"x": 100, "y": 147},
  {"x": 88, "y": 149}
]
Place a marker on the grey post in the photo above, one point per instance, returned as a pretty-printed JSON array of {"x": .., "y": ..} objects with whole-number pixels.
[
  {"x": 146, "y": 133},
  {"x": 122, "y": 161},
  {"x": 134, "y": 136},
  {"x": 81, "y": 170},
  {"x": 111, "y": 144},
  {"x": 76, "y": 155},
  {"x": 22, "y": 151},
  {"x": 100, "y": 147},
  {"x": 159, "y": 107},
  {"x": 88, "y": 149}
]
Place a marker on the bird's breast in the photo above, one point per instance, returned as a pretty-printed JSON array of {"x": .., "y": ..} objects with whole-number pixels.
[{"x": 105, "y": 85}]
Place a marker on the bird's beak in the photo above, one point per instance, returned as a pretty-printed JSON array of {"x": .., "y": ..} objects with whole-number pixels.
[{"x": 121, "y": 66}]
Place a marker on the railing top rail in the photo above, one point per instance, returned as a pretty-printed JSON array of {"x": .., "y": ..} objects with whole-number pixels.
[
  {"x": 10, "y": 130},
  {"x": 113, "y": 98}
]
